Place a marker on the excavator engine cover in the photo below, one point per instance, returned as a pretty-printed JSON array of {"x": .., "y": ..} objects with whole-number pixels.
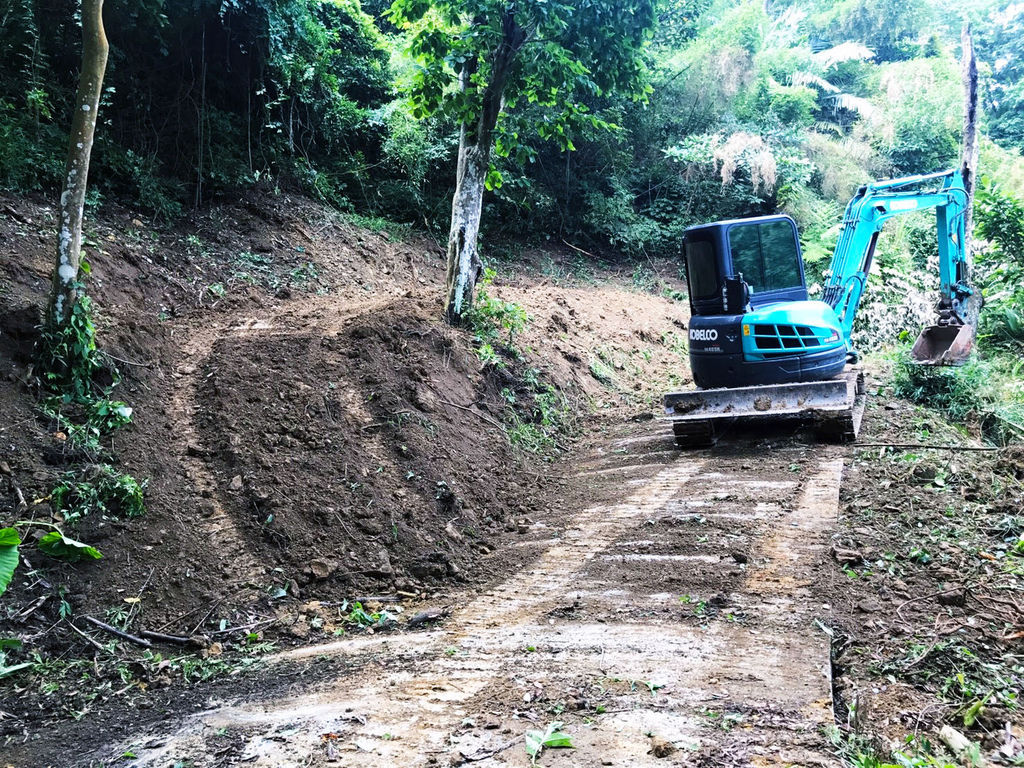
[{"x": 943, "y": 345}]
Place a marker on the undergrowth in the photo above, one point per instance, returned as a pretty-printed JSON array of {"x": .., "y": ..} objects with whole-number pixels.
[
  {"x": 81, "y": 413},
  {"x": 858, "y": 751},
  {"x": 103, "y": 491},
  {"x": 987, "y": 391},
  {"x": 495, "y": 323},
  {"x": 536, "y": 412}
]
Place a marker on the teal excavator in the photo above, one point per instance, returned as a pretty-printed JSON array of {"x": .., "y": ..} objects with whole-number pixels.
[{"x": 760, "y": 348}]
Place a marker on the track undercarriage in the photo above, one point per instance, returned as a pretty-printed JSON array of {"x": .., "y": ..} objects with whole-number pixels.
[{"x": 832, "y": 408}]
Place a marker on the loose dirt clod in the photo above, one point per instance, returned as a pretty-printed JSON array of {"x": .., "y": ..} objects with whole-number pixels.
[{"x": 661, "y": 748}]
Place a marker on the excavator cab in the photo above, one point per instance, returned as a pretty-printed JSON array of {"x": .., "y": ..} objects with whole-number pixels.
[{"x": 751, "y": 322}]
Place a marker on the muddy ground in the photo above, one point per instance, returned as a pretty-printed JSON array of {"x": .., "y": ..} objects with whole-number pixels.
[
  {"x": 311, "y": 435},
  {"x": 307, "y": 429}
]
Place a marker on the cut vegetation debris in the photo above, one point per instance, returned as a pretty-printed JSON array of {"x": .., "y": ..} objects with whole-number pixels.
[{"x": 929, "y": 570}]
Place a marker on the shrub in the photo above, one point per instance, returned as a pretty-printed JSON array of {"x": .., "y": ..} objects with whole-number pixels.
[
  {"x": 491, "y": 319},
  {"x": 958, "y": 392}
]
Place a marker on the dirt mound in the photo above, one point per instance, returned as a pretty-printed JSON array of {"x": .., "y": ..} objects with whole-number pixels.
[{"x": 358, "y": 458}]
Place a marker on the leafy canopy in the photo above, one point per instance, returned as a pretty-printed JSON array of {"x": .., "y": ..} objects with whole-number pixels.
[{"x": 568, "y": 54}]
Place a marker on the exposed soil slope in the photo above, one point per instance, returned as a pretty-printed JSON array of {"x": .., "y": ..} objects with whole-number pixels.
[{"x": 307, "y": 428}]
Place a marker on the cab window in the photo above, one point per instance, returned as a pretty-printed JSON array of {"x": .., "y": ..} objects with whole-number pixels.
[
  {"x": 701, "y": 269},
  {"x": 766, "y": 255}
]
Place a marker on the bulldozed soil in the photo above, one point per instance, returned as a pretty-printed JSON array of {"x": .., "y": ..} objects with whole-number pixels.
[
  {"x": 307, "y": 427},
  {"x": 313, "y": 437}
]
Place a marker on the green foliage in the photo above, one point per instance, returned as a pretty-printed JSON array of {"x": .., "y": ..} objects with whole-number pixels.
[
  {"x": 538, "y": 416},
  {"x": 890, "y": 27},
  {"x": 104, "y": 491},
  {"x": 10, "y": 644},
  {"x": 357, "y": 616},
  {"x": 82, "y": 411},
  {"x": 61, "y": 547},
  {"x": 495, "y": 322},
  {"x": 30, "y": 158},
  {"x": 85, "y": 424},
  {"x": 1000, "y": 219},
  {"x": 1000, "y": 39},
  {"x": 770, "y": 103},
  {"x": 552, "y": 737},
  {"x": 923, "y": 107},
  {"x": 957, "y": 391},
  {"x": 9, "y": 543},
  {"x": 268, "y": 83},
  {"x": 859, "y": 752},
  {"x": 66, "y": 354}
]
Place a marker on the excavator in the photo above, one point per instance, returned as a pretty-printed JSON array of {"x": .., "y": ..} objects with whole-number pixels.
[{"x": 761, "y": 349}]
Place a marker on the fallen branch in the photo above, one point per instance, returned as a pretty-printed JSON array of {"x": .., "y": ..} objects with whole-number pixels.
[
  {"x": 21, "y": 617},
  {"x": 925, "y": 445},
  {"x": 127, "y": 362},
  {"x": 388, "y": 422},
  {"x": 950, "y": 590},
  {"x": 120, "y": 633},
  {"x": 478, "y": 756},
  {"x": 87, "y": 639},
  {"x": 580, "y": 250},
  {"x": 245, "y": 627},
  {"x": 479, "y": 415},
  {"x": 957, "y": 742},
  {"x": 180, "y": 640}
]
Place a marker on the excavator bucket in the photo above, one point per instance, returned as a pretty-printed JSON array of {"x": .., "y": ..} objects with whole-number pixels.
[{"x": 943, "y": 345}]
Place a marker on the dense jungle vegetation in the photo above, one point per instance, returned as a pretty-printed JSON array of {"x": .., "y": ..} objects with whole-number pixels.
[{"x": 750, "y": 108}]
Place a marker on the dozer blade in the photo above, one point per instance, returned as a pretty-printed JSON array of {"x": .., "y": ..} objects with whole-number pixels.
[
  {"x": 943, "y": 345},
  {"x": 834, "y": 407}
]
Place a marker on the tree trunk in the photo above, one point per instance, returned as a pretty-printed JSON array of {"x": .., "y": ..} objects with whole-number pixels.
[
  {"x": 464, "y": 264},
  {"x": 969, "y": 162},
  {"x": 64, "y": 292},
  {"x": 969, "y": 153}
]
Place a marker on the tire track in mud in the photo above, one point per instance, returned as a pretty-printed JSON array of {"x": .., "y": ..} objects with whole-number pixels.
[{"x": 593, "y": 606}]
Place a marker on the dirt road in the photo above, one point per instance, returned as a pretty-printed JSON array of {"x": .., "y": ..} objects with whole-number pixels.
[{"x": 671, "y": 624}]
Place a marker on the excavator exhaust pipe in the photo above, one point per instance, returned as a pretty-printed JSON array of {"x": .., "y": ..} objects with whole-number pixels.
[{"x": 943, "y": 345}]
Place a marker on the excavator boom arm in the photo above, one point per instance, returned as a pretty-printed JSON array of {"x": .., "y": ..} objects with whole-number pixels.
[{"x": 868, "y": 211}]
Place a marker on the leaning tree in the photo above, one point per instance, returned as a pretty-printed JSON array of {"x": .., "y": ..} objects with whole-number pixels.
[
  {"x": 72, "y": 200},
  {"x": 480, "y": 60},
  {"x": 67, "y": 351}
]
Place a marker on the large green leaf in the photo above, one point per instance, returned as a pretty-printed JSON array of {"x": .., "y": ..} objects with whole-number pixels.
[
  {"x": 10, "y": 670},
  {"x": 56, "y": 544},
  {"x": 550, "y": 738},
  {"x": 9, "y": 541}
]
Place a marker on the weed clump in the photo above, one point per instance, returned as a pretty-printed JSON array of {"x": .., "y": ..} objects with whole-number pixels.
[
  {"x": 105, "y": 492},
  {"x": 985, "y": 392},
  {"x": 958, "y": 392},
  {"x": 495, "y": 322}
]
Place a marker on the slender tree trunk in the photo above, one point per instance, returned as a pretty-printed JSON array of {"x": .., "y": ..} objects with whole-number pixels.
[
  {"x": 464, "y": 264},
  {"x": 969, "y": 162},
  {"x": 64, "y": 292},
  {"x": 969, "y": 152}
]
